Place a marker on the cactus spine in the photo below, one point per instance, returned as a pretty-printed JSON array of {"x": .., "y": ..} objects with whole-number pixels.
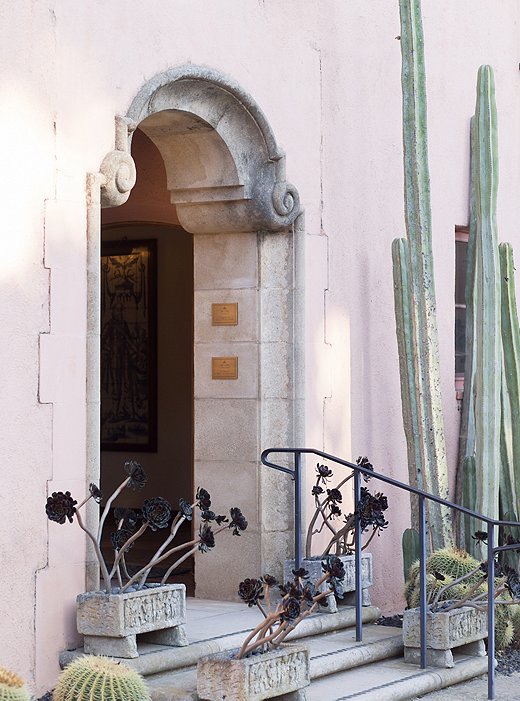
[
  {"x": 12, "y": 687},
  {"x": 99, "y": 679},
  {"x": 415, "y": 291}
]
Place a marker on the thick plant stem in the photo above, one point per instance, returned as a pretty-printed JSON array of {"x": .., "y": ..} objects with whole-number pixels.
[
  {"x": 425, "y": 396},
  {"x": 488, "y": 353},
  {"x": 510, "y": 477},
  {"x": 467, "y": 418}
]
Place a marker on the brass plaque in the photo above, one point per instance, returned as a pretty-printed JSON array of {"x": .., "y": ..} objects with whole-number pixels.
[
  {"x": 224, "y": 314},
  {"x": 225, "y": 368}
]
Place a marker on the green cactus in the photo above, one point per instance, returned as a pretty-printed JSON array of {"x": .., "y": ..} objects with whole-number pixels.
[
  {"x": 452, "y": 564},
  {"x": 488, "y": 352},
  {"x": 468, "y": 498},
  {"x": 12, "y": 688},
  {"x": 410, "y": 545},
  {"x": 99, "y": 679},
  {"x": 510, "y": 477},
  {"x": 504, "y": 627},
  {"x": 415, "y": 292}
]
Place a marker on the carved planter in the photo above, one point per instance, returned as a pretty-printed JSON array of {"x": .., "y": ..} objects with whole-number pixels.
[
  {"x": 254, "y": 678},
  {"x": 313, "y": 566},
  {"x": 463, "y": 628},
  {"x": 111, "y": 622}
]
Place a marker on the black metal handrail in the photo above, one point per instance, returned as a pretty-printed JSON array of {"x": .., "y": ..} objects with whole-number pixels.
[{"x": 492, "y": 550}]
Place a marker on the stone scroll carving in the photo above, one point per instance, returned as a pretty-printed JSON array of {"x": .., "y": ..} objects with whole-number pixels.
[{"x": 118, "y": 168}]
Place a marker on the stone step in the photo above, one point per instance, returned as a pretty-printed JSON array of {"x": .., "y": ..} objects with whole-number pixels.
[
  {"x": 330, "y": 653},
  {"x": 224, "y": 630},
  {"x": 392, "y": 680}
]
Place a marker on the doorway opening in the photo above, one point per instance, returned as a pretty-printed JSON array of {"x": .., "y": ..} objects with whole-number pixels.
[{"x": 147, "y": 353}]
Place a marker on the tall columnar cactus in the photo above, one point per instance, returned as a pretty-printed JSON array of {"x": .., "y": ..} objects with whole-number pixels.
[
  {"x": 99, "y": 679},
  {"x": 487, "y": 336},
  {"x": 510, "y": 477},
  {"x": 12, "y": 688},
  {"x": 415, "y": 291},
  {"x": 490, "y": 424}
]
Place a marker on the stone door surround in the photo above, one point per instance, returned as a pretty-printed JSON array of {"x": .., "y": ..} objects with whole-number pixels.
[{"x": 226, "y": 177}]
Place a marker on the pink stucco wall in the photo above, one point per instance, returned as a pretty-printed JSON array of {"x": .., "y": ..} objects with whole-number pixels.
[{"x": 327, "y": 75}]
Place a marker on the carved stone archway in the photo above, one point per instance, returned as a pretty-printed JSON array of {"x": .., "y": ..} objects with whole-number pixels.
[{"x": 226, "y": 178}]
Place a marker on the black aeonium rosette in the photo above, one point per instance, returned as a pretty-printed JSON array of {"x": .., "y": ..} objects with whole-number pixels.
[
  {"x": 300, "y": 573},
  {"x": 480, "y": 536},
  {"x": 335, "y": 569},
  {"x": 136, "y": 473},
  {"x": 127, "y": 517},
  {"x": 512, "y": 582},
  {"x": 291, "y": 609},
  {"x": 238, "y": 522},
  {"x": 207, "y": 538},
  {"x": 120, "y": 537},
  {"x": 317, "y": 490},
  {"x": 270, "y": 580},
  {"x": 60, "y": 506},
  {"x": 157, "y": 512},
  {"x": 203, "y": 498},
  {"x": 323, "y": 473},
  {"x": 95, "y": 493},
  {"x": 186, "y": 509},
  {"x": 334, "y": 510},
  {"x": 335, "y": 495},
  {"x": 251, "y": 591},
  {"x": 370, "y": 510},
  {"x": 365, "y": 462}
]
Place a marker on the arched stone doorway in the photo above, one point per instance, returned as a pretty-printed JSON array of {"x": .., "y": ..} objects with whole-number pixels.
[{"x": 226, "y": 177}]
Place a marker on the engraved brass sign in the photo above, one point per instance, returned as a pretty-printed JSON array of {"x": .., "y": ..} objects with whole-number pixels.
[
  {"x": 225, "y": 368},
  {"x": 224, "y": 314}
]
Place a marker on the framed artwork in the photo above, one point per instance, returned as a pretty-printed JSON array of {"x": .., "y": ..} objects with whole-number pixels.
[{"x": 129, "y": 345}]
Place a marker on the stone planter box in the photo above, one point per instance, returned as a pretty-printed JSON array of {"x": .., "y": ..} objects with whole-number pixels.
[
  {"x": 266, "y": 676},
  {"x": 313, "y": 566},
  {"x": 111, "y": 622},
  {"x": 463, "y": 628}
]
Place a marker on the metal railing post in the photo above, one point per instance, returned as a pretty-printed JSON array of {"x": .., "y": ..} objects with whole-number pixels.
[
  {"x": 357, "y": 559},
  {"x": 297, "y": 510},
  {"x": 491, "y": 609},
  {"x": 422, "y": 577}
]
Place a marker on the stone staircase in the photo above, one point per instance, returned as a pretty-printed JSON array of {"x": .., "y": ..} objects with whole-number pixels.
[{"x": 341, "y": 668}]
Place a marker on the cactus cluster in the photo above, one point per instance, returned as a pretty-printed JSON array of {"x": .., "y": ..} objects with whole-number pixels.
[
  {"x": 488, "y": 475},
  {"x": 447, "y": 565},
  {"x": 12, "y": 688},
  {"x": 99, "y": 679}
]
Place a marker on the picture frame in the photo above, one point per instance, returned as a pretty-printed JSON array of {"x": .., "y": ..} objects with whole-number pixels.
[{"x": 129, "y": 345}]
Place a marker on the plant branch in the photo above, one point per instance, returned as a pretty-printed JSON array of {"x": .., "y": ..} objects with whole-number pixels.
[
  {"x": 104, "y": 570},
  {"x": 107, "y": 509}
]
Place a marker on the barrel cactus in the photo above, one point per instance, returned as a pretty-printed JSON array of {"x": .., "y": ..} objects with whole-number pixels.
[
  {"x": 99, "y": 679},
  {"x": 448, "y": 565},
  {"x": 12, "y": 688}
]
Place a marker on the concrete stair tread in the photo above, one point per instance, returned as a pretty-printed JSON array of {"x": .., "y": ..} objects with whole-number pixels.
[
  {"x": 393, "y": 680},
  {"x": 329, "y": 653}
]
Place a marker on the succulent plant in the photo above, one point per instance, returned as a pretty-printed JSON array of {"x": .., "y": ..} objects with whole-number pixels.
[
  {"x": 448, "y": 566},
  {"x": 12, "y": 687},
  {"x": 99, "y": 679},
  {"x": 155, "y": 514}
]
